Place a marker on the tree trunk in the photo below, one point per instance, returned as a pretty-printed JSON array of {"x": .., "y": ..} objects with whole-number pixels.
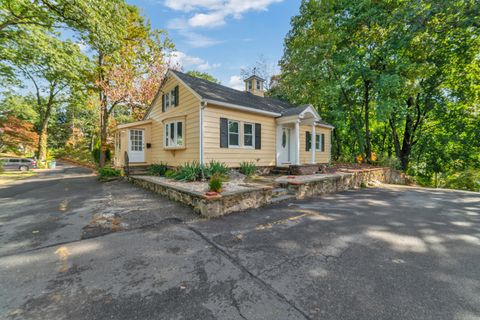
[
  {"x": 368, "y": 143},
  {"x": 103, "y": 115},
  {"x": 42, "y": 141}
]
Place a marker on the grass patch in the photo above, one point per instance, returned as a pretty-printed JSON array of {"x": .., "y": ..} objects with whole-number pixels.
[{"x": 10, "y": 176}]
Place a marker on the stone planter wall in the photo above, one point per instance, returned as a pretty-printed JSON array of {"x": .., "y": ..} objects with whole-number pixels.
[
  {"x": 209, "y": 206},
  {"x": 303, "y": 169},
  {"x": 343, "y": 181}
]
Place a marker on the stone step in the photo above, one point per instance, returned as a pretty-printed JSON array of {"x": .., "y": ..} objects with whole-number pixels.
[
  {"x": 285, "y": 197},
  {"x": 279, "y": 192}
]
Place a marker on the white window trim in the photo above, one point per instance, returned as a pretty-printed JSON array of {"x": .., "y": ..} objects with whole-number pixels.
[
  {"x": 253, "y": 135},
  {"x": 238, "y": 133},
  {"x": 173, "y": 143}
]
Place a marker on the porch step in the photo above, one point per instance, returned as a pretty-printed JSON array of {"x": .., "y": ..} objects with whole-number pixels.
[
  {"x": 285, "y": 197},
  {"x": 138, "y": 170},
  {"x": 281, "y": 170}
]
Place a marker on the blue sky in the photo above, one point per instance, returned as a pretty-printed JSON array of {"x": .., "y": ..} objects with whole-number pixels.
[{"x": 222, "y": 36}]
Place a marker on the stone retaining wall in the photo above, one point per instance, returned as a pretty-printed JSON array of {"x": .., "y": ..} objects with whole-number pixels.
[
  {"x": 209, "y": 206},
  {"x": 348, "y": 179},
  {"x": 303, "y": 186}
]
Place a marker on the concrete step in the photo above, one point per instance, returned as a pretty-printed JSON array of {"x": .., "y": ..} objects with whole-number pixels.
[
  {"x": 284, "y": 197},
  {"x": 277, "y": 192}
]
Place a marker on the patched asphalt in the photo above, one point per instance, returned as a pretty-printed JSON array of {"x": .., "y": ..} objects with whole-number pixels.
[{"x": 377, "y": 253}]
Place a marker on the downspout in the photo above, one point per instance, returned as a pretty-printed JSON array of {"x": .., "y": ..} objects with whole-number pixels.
[{"x": 203, "y": 104}]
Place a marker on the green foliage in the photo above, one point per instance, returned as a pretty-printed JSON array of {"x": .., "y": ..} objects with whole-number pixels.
[
  {"x": 216, "y": 168},
  {"x": 96, "y": 153},
  {"x": 169, "y": 173},
  {"x": 393, "y": 163},
  {"x": 203, "y": 75},
  {"x": 190, "y": 171},
  {"x": 465, "y": 180},
  {"x": 216, "y": 183},
  {"x": 105, "y": 173},
  {"x": 157, "y": 169},
  {"x": 1, "y": 166},
  {"x": 247, "y": 168}
]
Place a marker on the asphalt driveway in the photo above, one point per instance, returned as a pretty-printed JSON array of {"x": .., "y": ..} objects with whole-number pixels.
[{"x": 377, "y": 253}]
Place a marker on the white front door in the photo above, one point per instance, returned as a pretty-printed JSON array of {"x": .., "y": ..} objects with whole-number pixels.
[
  {"x": 285, "y": 146},
  {"x": 136, "y": 145}
]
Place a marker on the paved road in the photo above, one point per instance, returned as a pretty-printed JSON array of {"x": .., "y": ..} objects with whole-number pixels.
[{"x": 380, "y": 253}]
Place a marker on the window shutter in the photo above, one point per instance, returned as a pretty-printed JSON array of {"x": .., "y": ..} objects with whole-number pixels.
[
  {"x": 258, "y": 136},
  {"x": 308, "y": 141},
  {"x": 176, "y": 96},
  {"x": 223, "y": 133},
  {"x": 323, "y": 142},
  {"x": 163, "y": 103}
]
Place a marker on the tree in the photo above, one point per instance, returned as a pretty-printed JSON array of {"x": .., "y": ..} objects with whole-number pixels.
[
  {"x": 131, "y": 73},
  {"x": 203, "y": 75},
  {"x": 53, "y": 67},
  {"x": 17, "y": 135},
  {"x": 389, "y": 67}
]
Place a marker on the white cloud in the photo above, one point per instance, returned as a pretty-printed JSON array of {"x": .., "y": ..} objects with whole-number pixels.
[
  {"x": 182, "y": 60},
  {"x": 236, "y": 82},
  {"x": 194, "y": 39},
  {"x": 212, "y": 13}
]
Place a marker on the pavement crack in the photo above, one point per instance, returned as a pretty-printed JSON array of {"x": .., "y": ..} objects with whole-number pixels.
[
  {"x": 235, "y": 302},
  {"x": 257, "y": 279}
]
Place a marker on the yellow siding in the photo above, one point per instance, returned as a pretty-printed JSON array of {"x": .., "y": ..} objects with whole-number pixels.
[
  {"x": 188, "y": 110},
  {"x": 119, "y": 155},
  {"x": 320, "y": 157},
  {"x": 233, "y": 156}
]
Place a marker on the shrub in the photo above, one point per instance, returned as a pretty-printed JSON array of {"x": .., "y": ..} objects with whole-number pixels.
[
  {"x": 465, "y": 180},
  {"x": 106, "y": 173},
  {"x": 393, "y": 163},
  {"x": 1, "y": 166},
  {"x": 169, "y": 173},
  {"x": 190, "y": 171},
  {"x": 215, "y": 184},
  {"x": 215, "y": 167},
  {"x": 247, "y": 168},
  {"x": 157, "y": 169}
]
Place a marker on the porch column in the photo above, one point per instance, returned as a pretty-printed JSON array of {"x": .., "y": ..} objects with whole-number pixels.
[
  {"x": 297, "y": 142},
  {"x": 312, "y": 149}
]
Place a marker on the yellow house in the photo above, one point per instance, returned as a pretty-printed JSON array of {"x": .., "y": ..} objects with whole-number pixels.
[{"x": 192, "y": 119}]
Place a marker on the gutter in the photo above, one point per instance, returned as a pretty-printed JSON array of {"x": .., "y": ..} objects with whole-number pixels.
[{"x": 242, "y": 108}]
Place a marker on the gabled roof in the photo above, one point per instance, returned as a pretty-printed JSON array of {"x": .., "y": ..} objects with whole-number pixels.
[{"x": 214, "y": 92}]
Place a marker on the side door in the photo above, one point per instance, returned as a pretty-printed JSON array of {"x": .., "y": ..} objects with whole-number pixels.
[{"x": 136, "y": 145}]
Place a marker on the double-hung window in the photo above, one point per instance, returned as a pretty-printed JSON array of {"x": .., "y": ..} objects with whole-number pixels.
[
  {"x": 318, "y": 143},
  {"x": 174, "y": 134},
  {"x": 233, "y": 133},
  {"x": 248, "y": 135}
]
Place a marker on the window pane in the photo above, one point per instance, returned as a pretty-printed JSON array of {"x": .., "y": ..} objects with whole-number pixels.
[
  {"x": 172, "y": 97},
  {"x": 247, "y": 128},
  {"x": 233, "y": 127},
  {"x": 233, "y": 139},
  {"x": 167, "y": 99},
  {"x": 248, "y": 141},
  {"x": 166, "y": 134},
  {"x": 179, "y": 134},
  {"x": 317, "y": 142},
  {"x": 172, "y": 134}
]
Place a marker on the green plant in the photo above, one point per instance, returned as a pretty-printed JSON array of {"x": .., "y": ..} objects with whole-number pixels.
[
  {"x": 247, "y": 168},
  {"x": 106, "y": 173},
  {"x": 169, "y": 173},
  {"x": 215, "y": 167},
  {"x": 1, "y": 166},
  {"x": 190, "y": 171},
  {"x": 157, "y": 169},
  {"x": 216, "y": 183}
]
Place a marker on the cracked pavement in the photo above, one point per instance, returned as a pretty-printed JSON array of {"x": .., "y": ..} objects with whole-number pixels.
[{"x": 378, "y": 253}]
